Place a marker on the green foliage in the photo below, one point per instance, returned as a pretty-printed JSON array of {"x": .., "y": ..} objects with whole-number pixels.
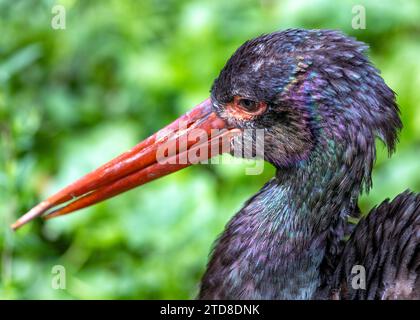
[{"x": 72, "y": 99}]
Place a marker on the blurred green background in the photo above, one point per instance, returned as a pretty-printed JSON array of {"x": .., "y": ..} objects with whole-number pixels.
[{"x": 72, "y": 99}]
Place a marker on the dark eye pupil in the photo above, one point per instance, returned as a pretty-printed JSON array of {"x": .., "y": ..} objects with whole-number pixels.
[{"x": 248, "y": 104}]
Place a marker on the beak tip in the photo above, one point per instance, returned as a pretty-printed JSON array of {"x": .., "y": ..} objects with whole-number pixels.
[
  {"x": 15, "y": 226},
  {"x": 31, "y": 214}
]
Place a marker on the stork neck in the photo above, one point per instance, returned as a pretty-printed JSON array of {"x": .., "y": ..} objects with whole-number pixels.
[
  {"x": 274, "y": 247},
  {"x": 323, "y": 188}
]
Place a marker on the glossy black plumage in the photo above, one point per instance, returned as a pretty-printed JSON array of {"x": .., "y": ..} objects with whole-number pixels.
[
  {"x": 387, "y": 243},
  {"x": 326, "y": 104}
]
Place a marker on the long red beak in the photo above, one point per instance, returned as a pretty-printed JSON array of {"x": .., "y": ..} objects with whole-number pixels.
[{"x": 194, "y": 137}]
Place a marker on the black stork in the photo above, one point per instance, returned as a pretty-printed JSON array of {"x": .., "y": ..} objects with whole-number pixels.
[{"x": 320, "y": 103}]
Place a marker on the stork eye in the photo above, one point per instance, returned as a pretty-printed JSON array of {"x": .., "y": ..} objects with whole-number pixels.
[
  {"x": 247, "y": 104},
  {"x": 246, "y": 108}
]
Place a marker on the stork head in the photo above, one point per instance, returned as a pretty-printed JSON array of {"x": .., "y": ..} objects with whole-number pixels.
[{"x": 307, "y": 90}]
